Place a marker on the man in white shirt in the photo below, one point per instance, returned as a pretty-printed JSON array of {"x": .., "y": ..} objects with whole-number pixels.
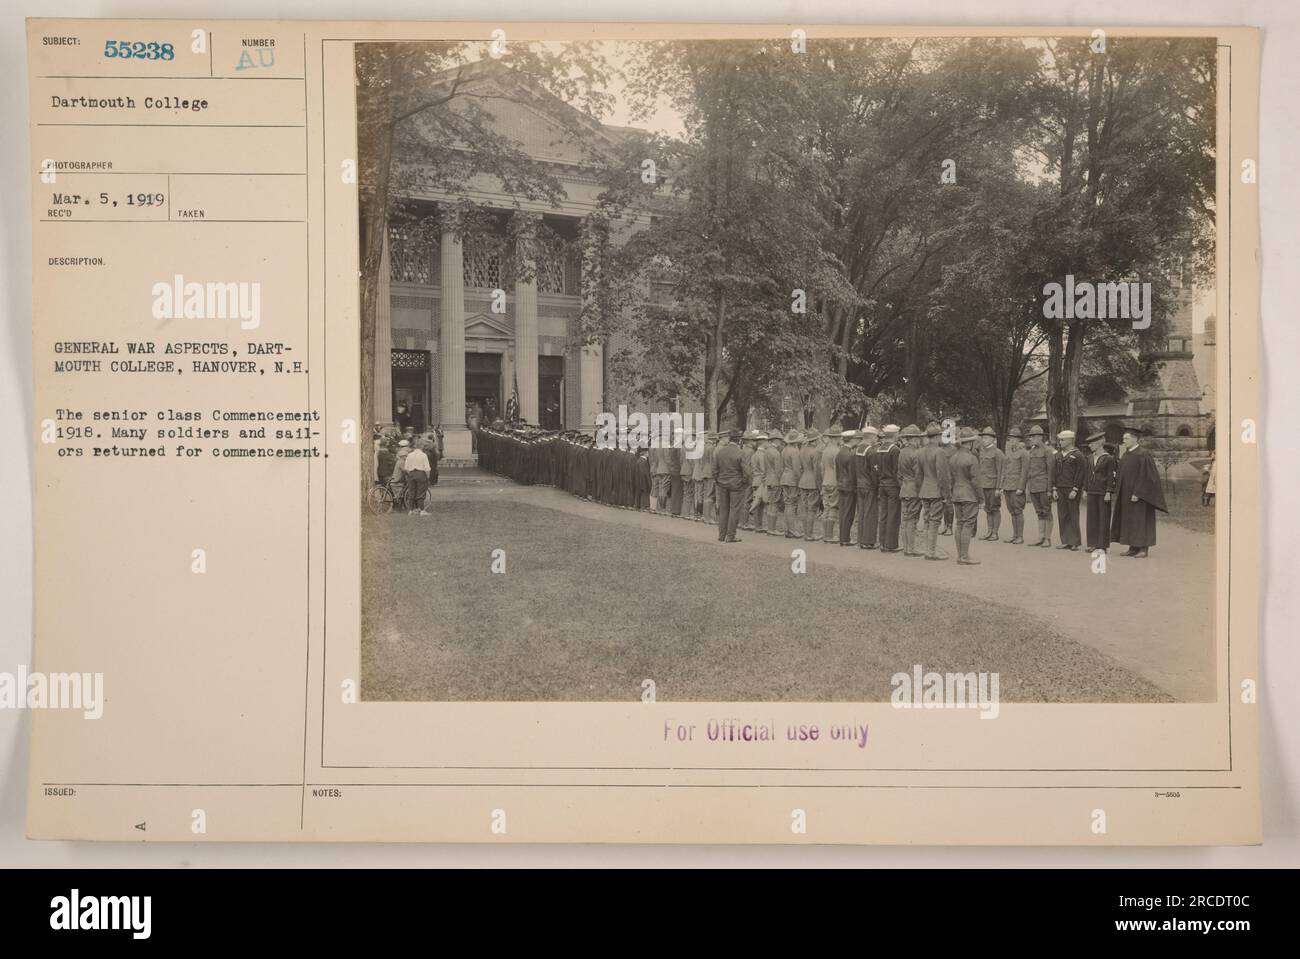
[{"x": 417, "y": 474}]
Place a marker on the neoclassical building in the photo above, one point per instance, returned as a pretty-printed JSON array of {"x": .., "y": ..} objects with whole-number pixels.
[{"x": 457, "y": 327}]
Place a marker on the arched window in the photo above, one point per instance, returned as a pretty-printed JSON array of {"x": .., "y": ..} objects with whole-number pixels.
[{"x": 1184, "y": 431}]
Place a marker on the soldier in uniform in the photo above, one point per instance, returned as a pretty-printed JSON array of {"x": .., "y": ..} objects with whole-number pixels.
[
  {"x": 936, "y": 488},
  {"x": 846, "y": 484},
  {"x": 909, "y": 487},
  {"x": 991, "y": 459},
  {"x": 867, "y": 488},
  {"x": 1014, "y": 465},
  {"x": 967, "y": 493},
  {"x": 887, "y": 487},
  {"x": 791, "y": 467},
  {"x": 773, "y": 498},
  {"x": 830, "y": 491},
  {"x": 730, "y": 485},
  {"x": 810, "y": 483},
  {"x": 749, "y": 448},
  {"x": 758, "y": 483},
  {"x": 1100, "y": 486},
  {"x": 704, "y": 496},
  {"x": 687, "y": 473},
  {"x": 948, "y": 444},
  {"x": 675, "y": 456},
  {"x": 1070, "y": 476},
  {"x": 660, "y": 486},
  {"x": 1040, "y": 463}
]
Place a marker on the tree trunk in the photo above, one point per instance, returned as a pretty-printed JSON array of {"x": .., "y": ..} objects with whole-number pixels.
[
  {"x": 713, "y": 363},
  {"x": 1055, "y": 379},
  {"x": 376, "y": 221},
  {"x": 1073, "y": 368}
]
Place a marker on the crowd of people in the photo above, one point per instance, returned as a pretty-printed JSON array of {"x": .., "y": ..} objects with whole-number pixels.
[
  {"x": 896, "y": 490},
  {"x": 407, "y": 460}
]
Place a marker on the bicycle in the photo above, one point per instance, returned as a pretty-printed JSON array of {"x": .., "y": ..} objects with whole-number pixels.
[{"x": 384, "y": 496}]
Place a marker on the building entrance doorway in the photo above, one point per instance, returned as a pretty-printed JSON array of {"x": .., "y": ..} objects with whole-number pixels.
[
  {"x": 550, "y": 391},
  {"x": 483, "y": 386},
  {"x": 411, "y": 389}
]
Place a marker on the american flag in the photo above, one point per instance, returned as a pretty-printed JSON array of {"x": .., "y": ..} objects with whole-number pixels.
[{"x": 512, "y": 404}]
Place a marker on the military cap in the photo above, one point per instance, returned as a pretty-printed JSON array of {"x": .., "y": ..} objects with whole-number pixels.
[
  {"x": 891, "y": 428},
  {"x": 776, "y": 437},
  {"x": 833, "y": 434},
  {"x": 933, "y": 429},
  {"x": 794, "y": 436},
  {"x": 870, "y": 429},
  {"x": 988, "y": 431},
  {"x": 404, "y": 443},
  {"x": 967, "y": 435},
  {"x": 761, "y": 436},
  {"x": 849, "y": 435},
  {"x": 1096, "y": 436},
  {"x": 750, "y": 435},
  {"x": 1035, "y": 431},
  {"x": 1065, "y": 435},
  {"x": 811, "y": 435},
  {"x": 1134, "y": 429},
  {"x": 911, "y": 429},
  {"x": 734, "y": 434},
  {"x": 1015, "y": 431}
]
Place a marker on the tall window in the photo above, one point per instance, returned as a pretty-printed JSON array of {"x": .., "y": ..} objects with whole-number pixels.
[
  {"x": 484, "y": 256},
  {"x": 412, "y": 242},
  {"x": 410, "y": 254}
]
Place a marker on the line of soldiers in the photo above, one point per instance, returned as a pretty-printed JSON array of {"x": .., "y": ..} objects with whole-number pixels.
[{"x": 904, "y": 488}]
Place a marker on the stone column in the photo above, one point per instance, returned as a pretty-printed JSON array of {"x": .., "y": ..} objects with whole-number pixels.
[
  {"x": 451, "y": 349},
  {"x": 591, "y": 385},
  {"x": 526, "y": 330},
  {"x": 382, "y": 384}
]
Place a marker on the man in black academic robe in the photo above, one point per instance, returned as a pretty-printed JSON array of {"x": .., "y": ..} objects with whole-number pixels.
[{"x": 1138, "y": 495}]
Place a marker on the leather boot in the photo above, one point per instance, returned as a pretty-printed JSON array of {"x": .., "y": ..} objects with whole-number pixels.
[
  {"x": 1017, "y": 529},
  {"x": 828, "y": 530},
  {"x": 1045, "y": 527},
  {"x": 932, "y": 551},
  {"x": 997, "y": 525},
  {"x": 963, "y": 556}
]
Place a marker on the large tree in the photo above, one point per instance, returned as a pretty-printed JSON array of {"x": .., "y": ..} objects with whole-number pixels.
[
  {"x": 1126, "y": 134},
  {"x": 734, "y": 240}
]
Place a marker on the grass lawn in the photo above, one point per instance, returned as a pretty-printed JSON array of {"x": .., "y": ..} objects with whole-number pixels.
[{"x": 587, "y": 610}]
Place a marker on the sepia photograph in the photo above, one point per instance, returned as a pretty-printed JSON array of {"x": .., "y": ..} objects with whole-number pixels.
[{"x": 789, "y": 370}]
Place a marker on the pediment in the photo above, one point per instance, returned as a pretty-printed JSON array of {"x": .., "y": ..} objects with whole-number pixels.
[{"x": 484, "y": 326}]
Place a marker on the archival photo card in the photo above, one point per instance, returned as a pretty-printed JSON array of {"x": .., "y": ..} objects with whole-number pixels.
[{"x": 850, "y": 429}]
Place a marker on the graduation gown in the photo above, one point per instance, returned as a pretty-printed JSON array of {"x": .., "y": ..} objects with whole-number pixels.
[{"x": 1134, "y": 524}]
